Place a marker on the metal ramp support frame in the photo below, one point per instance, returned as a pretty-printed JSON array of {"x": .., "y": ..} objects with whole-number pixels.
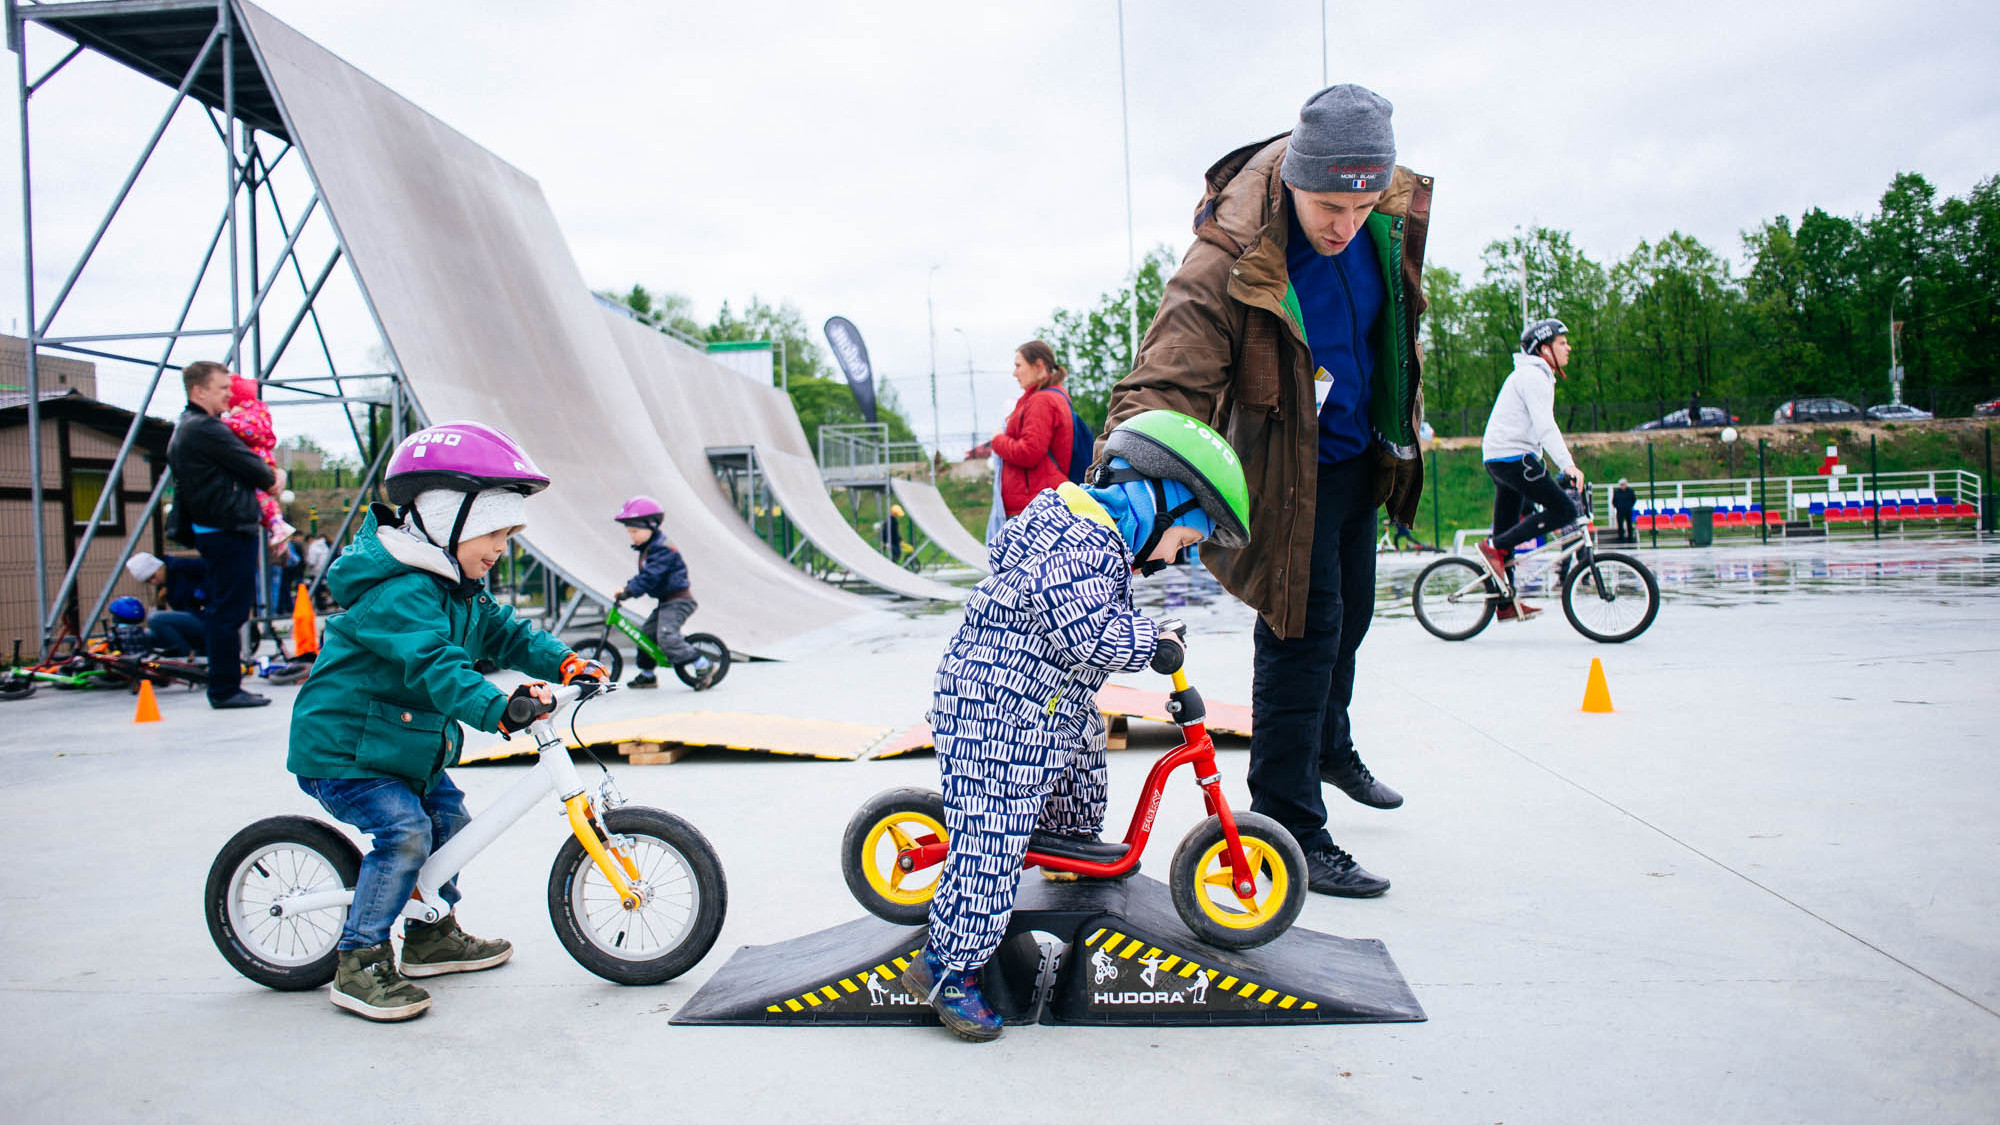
[{"x": 199, "y": 50}]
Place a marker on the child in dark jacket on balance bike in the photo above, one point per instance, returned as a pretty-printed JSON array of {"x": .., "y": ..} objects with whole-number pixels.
[
  {"x": 662, "y": 574},
  {"x": 1020, "y": 742}
]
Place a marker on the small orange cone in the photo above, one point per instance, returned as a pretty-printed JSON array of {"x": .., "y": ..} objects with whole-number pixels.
[
  {"x": 149, "y": 707},
  {"x": 305, "y": 634},
  {"x": 1597, "y": 693}
]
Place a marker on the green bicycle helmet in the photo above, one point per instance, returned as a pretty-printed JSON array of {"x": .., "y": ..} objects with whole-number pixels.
[{"x": 1168, "y": 445}]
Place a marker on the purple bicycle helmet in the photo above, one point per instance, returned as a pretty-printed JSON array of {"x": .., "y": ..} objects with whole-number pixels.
[
  {"x": 641, "y": 511},
  {"x": 464, "y": 456}
]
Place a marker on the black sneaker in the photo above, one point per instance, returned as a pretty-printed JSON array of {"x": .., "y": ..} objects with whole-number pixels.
[
  {"x": 1331, "y": 871},
  {"x": 1089, "y": 848},
  {"x": 1359, "y": 784},
  {"x": 240, "y": 699},
  {"x": 643, "y": 680}
]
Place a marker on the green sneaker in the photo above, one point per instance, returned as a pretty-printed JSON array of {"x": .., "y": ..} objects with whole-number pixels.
[
  {"x": 441, "y": 947},
  {"x": 367, "y": 984}
]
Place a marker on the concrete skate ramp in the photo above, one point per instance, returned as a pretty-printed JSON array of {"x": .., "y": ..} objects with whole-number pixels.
[
  {"x": 464, "y": 266},
  {"x": 799, "y": 488},
  {"x": 934, "y": 518},
  {"x": 707, "y": 406}
]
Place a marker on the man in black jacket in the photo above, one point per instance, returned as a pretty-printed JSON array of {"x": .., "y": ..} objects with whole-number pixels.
[{"x": 216, "y": 478}]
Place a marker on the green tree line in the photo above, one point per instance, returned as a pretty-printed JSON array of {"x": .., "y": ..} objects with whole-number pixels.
[
  {"x": 819, "y": 394},
  {"x": 1810, "y": 314}
]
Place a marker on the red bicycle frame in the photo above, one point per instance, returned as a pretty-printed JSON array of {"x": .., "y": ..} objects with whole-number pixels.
[{"x": 1196, "y": 749}]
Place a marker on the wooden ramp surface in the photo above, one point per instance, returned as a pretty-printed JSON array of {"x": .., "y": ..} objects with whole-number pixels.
[
  {"x": 1118, "y": 702},
  {"x": 723, "y": 730}
]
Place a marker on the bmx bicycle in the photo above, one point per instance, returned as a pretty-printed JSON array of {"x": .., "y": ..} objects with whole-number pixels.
[
  {"x": 604, "y": 652},
  {"x": 636, "y": 894},
  {"x": 1238, "y": 879},
  {"x": 1608, "y": 596}
]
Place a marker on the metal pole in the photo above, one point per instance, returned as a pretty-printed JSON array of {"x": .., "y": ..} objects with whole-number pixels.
[
  {"x": 1763, "y": 500},
  {"x": 19, "y": 32},
  {"x": 1875, "y": 485},
  {"x": 1322, "y": 44},
  {"x": 930, "y": 313},
  {"x": 1437, "y": 517},
  {"x": 225, "y": 22},
  {"x": 1652, "y": 496},
  {"x": 1986, "y": 498},
  {"x": 1131, "y": 251}
]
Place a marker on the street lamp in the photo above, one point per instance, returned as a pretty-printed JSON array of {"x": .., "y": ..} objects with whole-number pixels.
[
  {"x": 930, "y": 316},
  {"x": 1895, "y": 330},
  {"x": 971, "y": 386}
]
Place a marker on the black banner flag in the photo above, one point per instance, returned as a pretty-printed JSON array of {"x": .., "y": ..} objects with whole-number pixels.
[{"x": 852, "y": 355}]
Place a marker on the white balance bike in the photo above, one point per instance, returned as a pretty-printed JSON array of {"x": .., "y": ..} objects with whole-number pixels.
[{"x": 636, "y": 894}]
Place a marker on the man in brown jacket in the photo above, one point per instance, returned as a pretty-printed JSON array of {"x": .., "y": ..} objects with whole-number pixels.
[{"x": 1291, "y": 327}]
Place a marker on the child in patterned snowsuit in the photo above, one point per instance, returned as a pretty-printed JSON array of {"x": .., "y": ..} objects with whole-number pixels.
[{"x": 1020, "y": 741}]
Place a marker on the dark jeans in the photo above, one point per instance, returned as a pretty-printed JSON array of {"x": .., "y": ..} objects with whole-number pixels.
[
  {"x": 403, "y": 830},
  {"x": 1301, "y": 686},
  {"x": 178, "y": 633},
  {"x": 232, "y": 587},
  {"x": 1627, "y": 530},
  {"x": 664, "y": 626},
  {"x": 1518, "y": 484}
]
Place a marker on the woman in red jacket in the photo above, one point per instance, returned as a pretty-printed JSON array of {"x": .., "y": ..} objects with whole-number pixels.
[{"x": 1034, "y": 449}]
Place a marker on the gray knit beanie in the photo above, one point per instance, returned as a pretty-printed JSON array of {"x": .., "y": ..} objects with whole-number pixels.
[{"x": 1343, "y": 142}]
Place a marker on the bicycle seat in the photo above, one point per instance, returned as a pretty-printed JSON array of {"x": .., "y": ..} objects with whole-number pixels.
[{"x": 1075, "y": 847}]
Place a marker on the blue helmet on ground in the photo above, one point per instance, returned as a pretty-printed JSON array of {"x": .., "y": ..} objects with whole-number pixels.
[{"x": 127, "y": 610}]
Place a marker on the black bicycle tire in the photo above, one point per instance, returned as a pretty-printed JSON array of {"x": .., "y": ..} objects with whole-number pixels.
[
  {"x": 711, "y": 646},
  {"x": 1448, "y": 562},
  {"x": 703, "y": 865},
  {"x": 853, "y": 868},
  {"x": 604, "y": 652},
  {"x": 323, "y": 840},
  {"x": 1618, "y": 558},
  {"x": 1183, "y": 880}
]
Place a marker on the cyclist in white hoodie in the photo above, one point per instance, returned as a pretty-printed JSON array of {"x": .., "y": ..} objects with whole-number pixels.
[{"x": 1521, "y": 428}]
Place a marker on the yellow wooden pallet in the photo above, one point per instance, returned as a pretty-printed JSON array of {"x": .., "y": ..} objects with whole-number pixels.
[{"x": 659, "y": 739}]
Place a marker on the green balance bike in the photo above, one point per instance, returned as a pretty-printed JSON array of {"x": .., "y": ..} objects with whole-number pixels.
[{"x": 604, "y": 652}]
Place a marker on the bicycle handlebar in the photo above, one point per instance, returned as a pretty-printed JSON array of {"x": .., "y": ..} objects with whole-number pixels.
[{"x": 525, "y": 709}]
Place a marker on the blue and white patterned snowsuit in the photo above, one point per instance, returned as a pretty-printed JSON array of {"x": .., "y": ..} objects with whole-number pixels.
[{"x": 1019, "y": 738}]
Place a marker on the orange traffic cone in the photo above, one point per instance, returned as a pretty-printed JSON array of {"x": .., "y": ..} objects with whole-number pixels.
[
  {"x": 305, "y": 633},
  {"x": 1596, "y": 692},
  {"x": 149, "y": 707}
]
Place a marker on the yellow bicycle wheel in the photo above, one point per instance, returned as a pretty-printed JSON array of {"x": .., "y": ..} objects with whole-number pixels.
[
  {"x": 890, "y": 825},
  {"x": 1203, "y": 884}
]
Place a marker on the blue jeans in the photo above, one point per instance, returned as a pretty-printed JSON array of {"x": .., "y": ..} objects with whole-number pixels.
[
  {"x": 404, "y": 830},
  {"x": 177, "y": 632}
]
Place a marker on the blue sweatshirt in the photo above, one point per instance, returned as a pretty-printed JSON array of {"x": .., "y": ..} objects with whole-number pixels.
[{"x": 1340, "y": 299}]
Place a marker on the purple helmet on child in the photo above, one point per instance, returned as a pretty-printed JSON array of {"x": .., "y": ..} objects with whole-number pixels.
[
  {"x": 641, "y": 511},
  {"x": 462, "y": 456}
]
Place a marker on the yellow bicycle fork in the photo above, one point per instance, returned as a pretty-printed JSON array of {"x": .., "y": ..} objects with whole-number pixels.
[{"x": 623, "y": 873}]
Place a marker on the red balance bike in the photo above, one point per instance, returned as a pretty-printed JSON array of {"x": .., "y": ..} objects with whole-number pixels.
[{"x": 1238, "y": 879}]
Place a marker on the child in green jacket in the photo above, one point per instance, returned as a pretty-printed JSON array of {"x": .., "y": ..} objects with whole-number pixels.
[{"x": 377, "y": 723}]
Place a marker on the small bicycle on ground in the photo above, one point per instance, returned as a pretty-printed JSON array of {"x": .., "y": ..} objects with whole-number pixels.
[
  {"x": 1238, "y": 879},
  {"x": 636, "y": 894},
  {"x": 1608, "y": 596},
  {"x": 604, "y": 652}
]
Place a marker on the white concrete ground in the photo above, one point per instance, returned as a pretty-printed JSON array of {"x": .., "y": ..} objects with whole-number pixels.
[{"x": 1764, "y": 890}]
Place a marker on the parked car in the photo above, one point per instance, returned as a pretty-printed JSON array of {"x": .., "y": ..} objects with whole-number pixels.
[
  {"x": 1817, "y": 408},
  {"x": 1898, "y": 412},
  {"x": 1678, "y": 420},
  {"x": 1988, "y": 409}
]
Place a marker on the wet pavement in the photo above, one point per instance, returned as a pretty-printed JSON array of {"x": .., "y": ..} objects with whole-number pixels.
[{"x": 1762, "y": 890}]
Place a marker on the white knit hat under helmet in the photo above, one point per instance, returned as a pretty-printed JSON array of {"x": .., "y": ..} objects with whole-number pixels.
[{"x": 492, "y": 510}]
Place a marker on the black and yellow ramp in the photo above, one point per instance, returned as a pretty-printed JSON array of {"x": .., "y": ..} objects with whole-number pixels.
[
  {"x": 847, "y": 976},
  {"x": 1120, "y": 956}
]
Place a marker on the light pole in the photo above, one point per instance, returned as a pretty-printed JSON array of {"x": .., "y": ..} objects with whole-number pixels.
[
  {"x": 971, "y": 385},
  {"x": 1131, "y": 254},
  {"x": 1895, "y": 330},
  {"x": 930, "y": 314}
]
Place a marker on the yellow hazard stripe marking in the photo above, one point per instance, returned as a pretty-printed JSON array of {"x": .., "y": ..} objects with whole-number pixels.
[
  {"x": 829, "y": 993},
  {"x": 1267, "y": 995},
  {"x": 811, "y": 999},
  {"x": 1288, "y": 1001},
  {"x": 1135, "y": 947},
  {"x": 794, "y": 1005},
  {"x": 1227, "y": 983},
  {"x": 1167, "y": 966},
  {"x": 1092, "y": 939},
  {"x": 849, "y": 985}
]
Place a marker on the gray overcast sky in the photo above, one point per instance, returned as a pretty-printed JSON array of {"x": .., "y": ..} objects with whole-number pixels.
[{"x": 831, "y": 153}]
